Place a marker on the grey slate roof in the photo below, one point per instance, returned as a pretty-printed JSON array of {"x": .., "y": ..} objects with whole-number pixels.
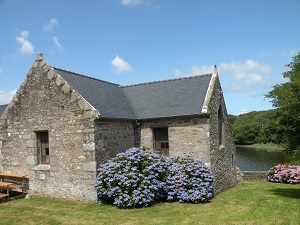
[
  {"x": 2, "y": 109},
  {"x": 168, "y": 98},
  {"x": 107, "y": 98},
  {"x": 178, "y": 97}
]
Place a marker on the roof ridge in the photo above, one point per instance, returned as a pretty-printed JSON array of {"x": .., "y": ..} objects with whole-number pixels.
[
  {"x": 161, "y": 81},
  {"x": 82, "y": 75}
]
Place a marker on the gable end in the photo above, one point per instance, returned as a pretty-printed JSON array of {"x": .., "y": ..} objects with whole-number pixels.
[
  {"x": 87, "y": 109},
  {"x": 209, "y": 93}
]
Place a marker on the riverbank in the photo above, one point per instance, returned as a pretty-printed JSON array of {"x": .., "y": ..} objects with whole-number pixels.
[{"x": 266, "y": 147}]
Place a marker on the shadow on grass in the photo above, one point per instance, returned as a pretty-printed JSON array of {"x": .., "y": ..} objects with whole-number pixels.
[{"x": 287, "y": 192}]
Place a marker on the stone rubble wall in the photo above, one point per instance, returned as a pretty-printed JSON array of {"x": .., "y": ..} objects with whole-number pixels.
[
  {"x": 187, "y": 136},
  {"x": 112, "y": 137},
  {"x": 255, "y": 175},
  {"x": 45, "y": 102},
  {"x": 223, "y": 157}
]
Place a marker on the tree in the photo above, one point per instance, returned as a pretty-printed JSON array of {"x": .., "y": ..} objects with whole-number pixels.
[
  {"x": 286, "y": 97},
  {"x": 256, "y": 127},
  {"x": 231, "y": 119}
]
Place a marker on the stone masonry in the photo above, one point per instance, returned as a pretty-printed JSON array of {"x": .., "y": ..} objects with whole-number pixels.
[
  {"x": 44, "y": 102},
  {"x": 187, "y": 136},
  {"x": 112, "y": 137},
  {"x": 223, "y": 156}
]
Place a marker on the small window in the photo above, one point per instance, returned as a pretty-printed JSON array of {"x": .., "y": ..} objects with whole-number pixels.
[
  {"x": 161, "y": 140},
  {"x": 43, "y": 147},
  {"x": 220, "y": 126}
]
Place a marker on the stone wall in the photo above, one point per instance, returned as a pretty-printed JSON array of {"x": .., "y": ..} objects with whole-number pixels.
[
  {"x": 45, "y": 102},
  {"x": 112, "y": 137},
  {"x": 223, "y": 156},
  {"x": 187, "y": 136},
  {"x": 255, "y": 175}
]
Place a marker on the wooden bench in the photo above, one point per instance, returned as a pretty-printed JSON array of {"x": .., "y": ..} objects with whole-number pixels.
[
  {"x": 2, "y": 195},
  {"x": 12, "y": 175},
  {"x": 11, "y": 182},
  {"x": 5, "y": 184}
]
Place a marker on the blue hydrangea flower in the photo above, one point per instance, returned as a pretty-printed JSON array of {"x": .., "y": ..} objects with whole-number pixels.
[
  {"x": 189, "y": 180},
  {"x": 138, "y": 178},
  {"x": 134, "y": 178}
]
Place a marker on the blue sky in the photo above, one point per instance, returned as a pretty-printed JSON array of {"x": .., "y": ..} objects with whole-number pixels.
[{"x": 136, "y": 41}]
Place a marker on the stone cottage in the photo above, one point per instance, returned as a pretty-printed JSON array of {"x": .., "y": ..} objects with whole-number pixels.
[{"x": 61, "y": 125}]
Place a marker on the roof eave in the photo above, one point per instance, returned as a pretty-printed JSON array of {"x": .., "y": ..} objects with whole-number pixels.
[{"x": 176, "y": 116}]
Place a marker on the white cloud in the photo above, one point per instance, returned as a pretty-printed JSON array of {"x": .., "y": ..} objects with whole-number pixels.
[
  {"x": 242, "y": 111},
  {"x": 237, "y": 76},
  {"x": 1, "y": 71},
  {"x": 56, "y": 42},
  {"x": 248, "y": 65},
  {"x": 130, "y": 2},
  {"x": 5, "y": 97},
  {"x": 149, "y": 3},
  {"x": 120, "y": 65},
  {"x": 246, "y": 76},
  {"x": 195, "y": 70},
  {"x": 49, "y": 27},
  {"x": 26, "y": 48},
  {"x": 52, "y": 23}
]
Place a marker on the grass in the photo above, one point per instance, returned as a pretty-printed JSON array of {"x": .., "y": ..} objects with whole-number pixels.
[{"x": 256, "y": 202}]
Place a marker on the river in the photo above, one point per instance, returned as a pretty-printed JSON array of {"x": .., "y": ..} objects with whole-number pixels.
[{"x": 251, "y": 159}]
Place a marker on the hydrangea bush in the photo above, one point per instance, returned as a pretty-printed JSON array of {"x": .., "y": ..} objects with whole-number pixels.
[
  {"x": 189, "y": 180},
  {"x": 284, "y": 174},
  {"x": 134, "y": 178},
  {"x": 138, "y": 178}
]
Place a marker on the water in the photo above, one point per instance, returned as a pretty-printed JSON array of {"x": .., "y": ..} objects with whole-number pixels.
[{"x": 250, "y": 159}]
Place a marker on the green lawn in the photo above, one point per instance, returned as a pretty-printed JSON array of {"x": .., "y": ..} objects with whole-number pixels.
[{"x": 250, "y": 203}]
